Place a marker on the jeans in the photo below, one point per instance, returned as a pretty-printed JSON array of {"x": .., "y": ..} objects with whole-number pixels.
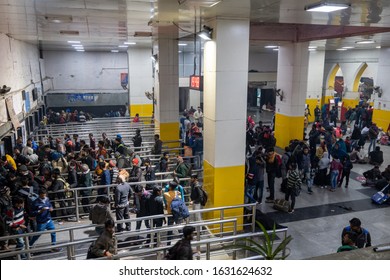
[
  {"x": 49, "y": 225},
  {"x": 197, "y": 217},
  {"x": 172, "y": 221},
  {"x": 271, "y": 185},
  {"x": 309, "y": 180},
  {"x": 258, "y": 195},
  {"x": 372, "y": 144},
  {"x": 346, "y": 175},
  {"x": 291, "y": 194},
  {"x": 333, "y": 179},
  {"x": 249, "y": 194},
  {"x": 139, "y": 223},
  {"x": 122, "y": 213}
]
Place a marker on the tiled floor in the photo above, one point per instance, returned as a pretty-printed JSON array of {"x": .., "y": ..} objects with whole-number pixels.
[{"x": 319, "y": 218}]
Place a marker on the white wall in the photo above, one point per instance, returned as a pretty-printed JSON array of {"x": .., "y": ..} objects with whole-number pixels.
[
  {"x": 315, "y": 75},
  {"x": 85, "y": 71},
  {"x": 20, "y": 71},
  {"x": 383, "y": 80},
  {"x": 350, "y": 62},
  {"x": 263, "y": 62}
]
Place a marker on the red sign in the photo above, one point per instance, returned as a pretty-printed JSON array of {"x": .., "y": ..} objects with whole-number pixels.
[{"x": 196, "y": 82}]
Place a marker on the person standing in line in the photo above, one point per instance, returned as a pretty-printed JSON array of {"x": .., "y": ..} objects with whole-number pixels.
[
  {"x": 100, "y": 213},
  {"x": 271, "y": 168},
  {"x": 123, "y": 192},
  {"x": 335, "y": 168},
  {"x": 293, "y": 185},
  {"x": 137, "y": 140},
  {"x": 196, "y": 196}
]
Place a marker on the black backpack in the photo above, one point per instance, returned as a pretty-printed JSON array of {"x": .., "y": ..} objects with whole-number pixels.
[{"x": 203, "y": 196}]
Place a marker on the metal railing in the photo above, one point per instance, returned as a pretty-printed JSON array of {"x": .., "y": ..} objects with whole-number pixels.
[{"x": 72, "y": 242}]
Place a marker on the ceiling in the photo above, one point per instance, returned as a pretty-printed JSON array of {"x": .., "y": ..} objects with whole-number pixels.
[{"x": 104, "y": 25}]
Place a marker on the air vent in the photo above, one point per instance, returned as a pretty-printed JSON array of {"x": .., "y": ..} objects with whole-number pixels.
[
  {"x": 142, "y": 34},
  {"x": 69, "y": 32}
]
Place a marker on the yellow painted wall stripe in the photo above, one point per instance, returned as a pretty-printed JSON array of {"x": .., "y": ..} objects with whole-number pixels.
[
  {"x": 144, "y": 110},
  {"x": 359, "y": 74},
  {"x": 381, "y": 118},
  {"x": 288, "y": 128},
  {"x": 224, "y": 186}
]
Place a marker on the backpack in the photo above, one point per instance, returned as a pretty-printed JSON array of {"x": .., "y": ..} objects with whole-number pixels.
[
  {"x": 179, "y": 209},
  {"x": 203, "y": 196},
  {"x": 68, "y": 193},
  {"x": 172, "y": 252},
  {"x": 31, "y": 197}
]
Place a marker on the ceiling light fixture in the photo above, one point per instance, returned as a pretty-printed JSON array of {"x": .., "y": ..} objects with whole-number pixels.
[
  {"x": 206, "y": 33},
  {"x": 80, "y": 50},
  {"x": 366, "y": 41},
  {"x": 341, "y": 49},
  {"x": 114, "y": 51},
  {"x": 123, "y": 46},
  {"x": 325, "y": 7},
  {"x": 77, "y": 45},
  {"x": 182, "y": 44},
  {"x": 270, "y": 47},
  {"x": 129, "y": 43},
  {"x": 378, "y": 47},
  {"x": 277, "y": 49},
  {"x": 214, "y": 4},
  {"x": 348, "y": 47},
  {"x": 74, "y": 42}
]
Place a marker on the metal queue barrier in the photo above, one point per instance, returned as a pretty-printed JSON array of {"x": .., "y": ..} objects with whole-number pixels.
[{"x": 74, "y": 248}]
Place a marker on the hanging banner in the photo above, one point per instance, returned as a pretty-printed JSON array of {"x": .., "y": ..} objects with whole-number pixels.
[
  {"x": 81, "y": 97},
  {"x": 124, "y": 80},
  {"x": 11, "y": 112}
]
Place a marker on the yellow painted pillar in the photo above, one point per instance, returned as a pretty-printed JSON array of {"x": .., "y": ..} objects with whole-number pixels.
[
  {"x": 225, "y": 79},
  {"x": 292, "y": 80}
]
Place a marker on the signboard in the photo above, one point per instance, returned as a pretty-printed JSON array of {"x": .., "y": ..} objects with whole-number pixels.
[
  {"x": 196, "y": 82},
  {"x": 81, "y": 97},
  {"x": 11, "y": 112},
  {"x": 124, "y": 79}
]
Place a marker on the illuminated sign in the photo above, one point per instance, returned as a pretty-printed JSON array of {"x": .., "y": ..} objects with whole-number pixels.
[{"x": 196, "y": 82}]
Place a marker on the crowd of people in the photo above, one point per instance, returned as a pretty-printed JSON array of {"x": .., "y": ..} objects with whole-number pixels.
[
  {"x": 36, "y": 183},
  {"x": 324, "y": 158},
  {"x": 53, "y": 117}
]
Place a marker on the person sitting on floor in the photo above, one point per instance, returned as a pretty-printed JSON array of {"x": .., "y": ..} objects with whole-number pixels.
[
  {"x": 376, "y": 157},
  {"x": 372, "y": 176}
]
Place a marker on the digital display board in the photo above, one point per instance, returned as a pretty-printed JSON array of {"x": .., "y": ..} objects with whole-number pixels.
[{"x": 196, "y": 82}]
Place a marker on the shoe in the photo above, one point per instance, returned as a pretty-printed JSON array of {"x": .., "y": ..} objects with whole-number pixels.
[
  {"x": 269, "y": 201},
  {"x": 291, "y": 211},
  {"x": 310, "y": 191},
  {"x": 57, "y": 250},
  {"x": 73, "y": 219},
  {"x": 60, "y": 222},
  {"x": 332, "y": 190}
]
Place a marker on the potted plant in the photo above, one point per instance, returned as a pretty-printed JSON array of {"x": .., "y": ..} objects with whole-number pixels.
[{"x": 265, "y": 247}]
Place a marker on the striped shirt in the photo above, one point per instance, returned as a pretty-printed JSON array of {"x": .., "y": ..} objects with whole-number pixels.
[
  {"x": 15, "y": 217},
  {"x": 293, "y": 179}
]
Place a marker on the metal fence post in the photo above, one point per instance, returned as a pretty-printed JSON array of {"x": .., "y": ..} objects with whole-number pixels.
[
  {"x": 27, "y": 244},
  {"x": 71, "y": 249},
  {"x": 254, "y": 218},
  {"x": 222, "y": 217},
  {"x": 234, "y": 241},
  {"x": 76, "y": 202},
  {"x": 207, "y": 251}
]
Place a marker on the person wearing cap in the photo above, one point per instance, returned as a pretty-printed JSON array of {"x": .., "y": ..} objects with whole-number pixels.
[
  {"x": 363, "y": 238},
  {"x": 133, "y": 155},
  {"x": 137, "y": 140},
  {"x": 135, "y": 172},
  {"x": 122, "y": 195},
  {"x": 182, "y": 250},
  {"x": 149, "y": 174}
]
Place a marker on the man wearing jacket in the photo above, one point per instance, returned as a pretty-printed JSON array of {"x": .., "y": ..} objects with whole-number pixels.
[
  {"x": 363, "y": 236},
  {"x": 41, "y": 209},
  {"x": 123, "y": 192},
  {"x": 271, "y": 168}
]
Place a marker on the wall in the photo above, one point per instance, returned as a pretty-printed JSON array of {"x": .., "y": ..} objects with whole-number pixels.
[
  {"x": 20, "y": 71},
  {"x": 71, "y": 70},
  {"x": 314, "y": 81},
  {"x": 263, "y": 62}
]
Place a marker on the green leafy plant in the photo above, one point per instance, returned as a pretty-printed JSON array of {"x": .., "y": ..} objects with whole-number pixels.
[{"x": 265, "y": 247}]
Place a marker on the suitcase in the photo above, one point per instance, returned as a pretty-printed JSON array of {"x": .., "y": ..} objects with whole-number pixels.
[
  {"x": 282, "y": 205},
  {"x": 381, "y": 196}
]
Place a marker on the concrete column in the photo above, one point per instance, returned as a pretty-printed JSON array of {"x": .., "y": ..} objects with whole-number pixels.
[
  {"x": 314, "y": 81},
  {"x": 382, "y": 104},
  {"x": 293, "y": 65},
  {"x": 167, "y": 84},
  {"x": 225, "y": 87},
  {"x": 140, "y": 81}
]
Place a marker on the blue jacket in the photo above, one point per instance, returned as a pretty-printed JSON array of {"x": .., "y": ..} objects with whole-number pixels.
[
  {"x": 105, "y": 179},
  {"x": 37, "y": 205}
]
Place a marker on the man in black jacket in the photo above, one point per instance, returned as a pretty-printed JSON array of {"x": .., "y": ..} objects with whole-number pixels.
[
  {"x": 150, "y": 174},
  {"x": 157, "y": 148},
  {"x": 182, "y": 250},
  {"x": 137, "y": 140},
  {"x": 156, "y": 207}
]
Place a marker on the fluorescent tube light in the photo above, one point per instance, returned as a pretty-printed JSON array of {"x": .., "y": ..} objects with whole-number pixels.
[
  {"x": 129, "y": 43},
  {"x": 74, "y": 42},
  {"x": 325, "y": 7},
  {"x": 367, "y": 41},
  {"x": 270, "y": 47},
  {"x": 114, "y": 51}
]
